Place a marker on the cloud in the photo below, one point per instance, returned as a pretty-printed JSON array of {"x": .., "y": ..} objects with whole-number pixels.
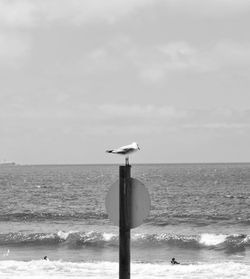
[
  {"x": 17, "y": 13},
  {"x": 175, "y": 57},
  {"x": 109, "y": 112},
  {"x": 115, "y": 117},
  {"x": 29, "y": 12},
  {"x": 160, "y": 60},
  {"x": 151, "y": 62},
  {"x": 155, "y": 63},
  {"x": 77, "y": 11},
  {"x": 13, "y": 47},
  {"x": 141, "y": 111},
  {"x": 230, "y": 53},
  {"x": 219, "y": 120},
  {"x": 212, "y": 8},
  {"x": 218, "y": 126},
  {"x": 89, "y": 119}
]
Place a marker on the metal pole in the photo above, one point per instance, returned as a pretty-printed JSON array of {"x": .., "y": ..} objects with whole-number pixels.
[{"x": 124, "y": 222}]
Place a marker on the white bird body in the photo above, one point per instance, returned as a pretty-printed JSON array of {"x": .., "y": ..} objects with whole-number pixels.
[{"x": 125, "y": 150}]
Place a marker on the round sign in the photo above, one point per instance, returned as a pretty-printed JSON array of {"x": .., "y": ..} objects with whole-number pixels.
[{"x": 140, "y": 203}]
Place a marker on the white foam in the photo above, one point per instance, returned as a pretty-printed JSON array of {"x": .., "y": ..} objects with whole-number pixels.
[
  {"x": 109, "y": 270},
  {"x": 246, "y": 239},
  {"x": 108, "y": 236},
  {"x": 212, "y": 239},
  {"x": 65, "y": 235},
  {"x": 6, "y": 254}
]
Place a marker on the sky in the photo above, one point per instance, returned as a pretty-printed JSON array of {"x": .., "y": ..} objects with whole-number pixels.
[{"x": 81, "y": 76}]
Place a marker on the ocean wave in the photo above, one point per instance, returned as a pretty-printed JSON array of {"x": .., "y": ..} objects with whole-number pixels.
[
  {"x": 71, "y": 238},
  {"x": 229, "y": 243},
  {"x": 60, "y": 269}
]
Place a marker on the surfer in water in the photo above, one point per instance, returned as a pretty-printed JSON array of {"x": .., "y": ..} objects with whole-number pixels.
[
  {"x": 45, "y": 258},
  {"x": 173, "y": 261}
]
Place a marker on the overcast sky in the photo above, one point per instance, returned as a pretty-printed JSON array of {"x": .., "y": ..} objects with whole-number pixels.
[{"x": 81, "y": 76}]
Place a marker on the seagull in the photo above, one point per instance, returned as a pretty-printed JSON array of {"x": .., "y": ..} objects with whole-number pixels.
[{"x": 125, "y": 150}]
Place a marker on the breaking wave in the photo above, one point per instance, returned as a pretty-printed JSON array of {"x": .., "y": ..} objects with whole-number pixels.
[{"x": 235, "y": 242}]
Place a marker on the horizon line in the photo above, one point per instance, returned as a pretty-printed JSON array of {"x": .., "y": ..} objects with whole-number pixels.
[{"x": 112, "y": 164}]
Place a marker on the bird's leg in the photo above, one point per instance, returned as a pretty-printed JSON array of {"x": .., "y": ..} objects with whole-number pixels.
[{"x": 126, "y": 161}]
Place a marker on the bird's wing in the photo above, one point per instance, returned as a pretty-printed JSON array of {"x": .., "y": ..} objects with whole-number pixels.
[
  {"x": 122, "y": 150},
  {"x": 125, "y": 147},
  {"x": 119, "y": 150}
]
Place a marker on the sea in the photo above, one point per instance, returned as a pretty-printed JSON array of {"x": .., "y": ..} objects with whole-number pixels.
[{"x": 199, "y": 214}]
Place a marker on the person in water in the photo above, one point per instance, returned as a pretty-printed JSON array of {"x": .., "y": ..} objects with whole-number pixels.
[
  {"x": 173, "y": 261},
  {"x": 45, "y": 258}
]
